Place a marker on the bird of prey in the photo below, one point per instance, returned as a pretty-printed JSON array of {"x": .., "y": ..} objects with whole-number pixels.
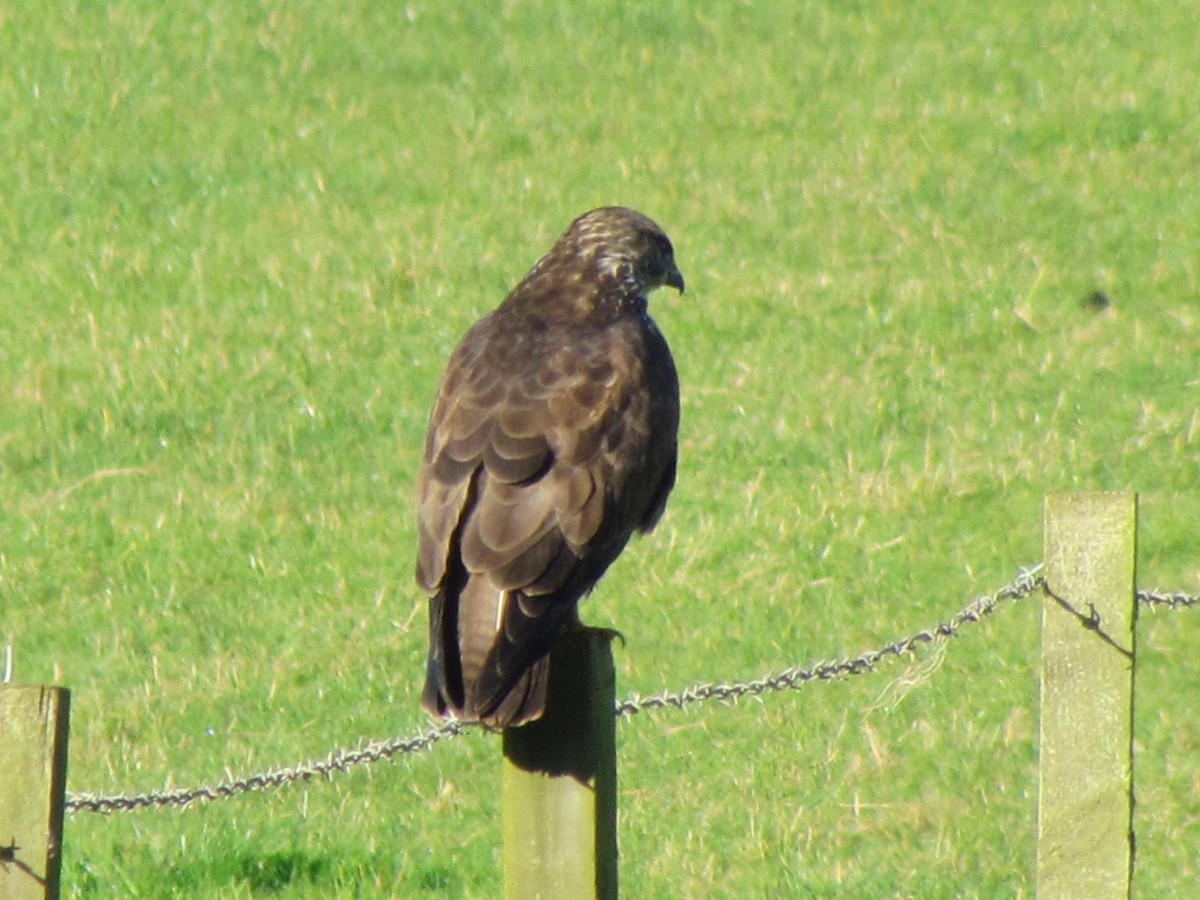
[{"x": 552, "y": 439}]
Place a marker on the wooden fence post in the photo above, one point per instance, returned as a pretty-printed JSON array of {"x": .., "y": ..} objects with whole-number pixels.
[
  {"x": 560, "y": 781},
  {"x": 1085, "y": 791},
  {"x": 33, "y": 779}
]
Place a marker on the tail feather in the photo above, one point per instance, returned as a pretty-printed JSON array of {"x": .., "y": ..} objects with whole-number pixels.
[
  {"x": 433, "y": 697},
  {"x": 525, "y": 702},
  {"x": 488, "y": 654}
]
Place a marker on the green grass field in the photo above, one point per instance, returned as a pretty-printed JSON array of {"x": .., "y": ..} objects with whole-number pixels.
[{"x": 238, "y": 241}]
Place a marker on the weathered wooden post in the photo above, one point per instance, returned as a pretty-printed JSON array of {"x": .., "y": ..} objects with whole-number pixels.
[
  {"x": 560, "y": 781},
  {"x": 33, "y": 779},
  {"x": 1085, "y": 795}
]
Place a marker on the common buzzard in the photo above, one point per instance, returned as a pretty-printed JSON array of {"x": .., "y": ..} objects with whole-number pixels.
[{"x": 552, "y": 439}]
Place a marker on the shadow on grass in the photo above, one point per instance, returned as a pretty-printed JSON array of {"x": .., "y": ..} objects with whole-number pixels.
[{"x": 279, "y": 872}]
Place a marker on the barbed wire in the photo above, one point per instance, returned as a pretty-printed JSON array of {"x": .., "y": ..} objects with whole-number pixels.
[
  {"x": 1027, "y": 582},
  {"x": 337, "y": 761},
  {"x": 1171, "y": 599}
]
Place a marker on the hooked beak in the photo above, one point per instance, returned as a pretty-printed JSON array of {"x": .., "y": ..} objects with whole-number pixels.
[{"x": 675, "y": 279}]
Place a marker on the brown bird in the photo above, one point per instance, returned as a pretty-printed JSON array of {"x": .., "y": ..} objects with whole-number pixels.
[{"x": 552, "y": 439}]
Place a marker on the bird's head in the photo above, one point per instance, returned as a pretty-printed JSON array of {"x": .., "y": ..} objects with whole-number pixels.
[
  {"x": 625, "y": 245},
  {"x": 604, "y": 265}
]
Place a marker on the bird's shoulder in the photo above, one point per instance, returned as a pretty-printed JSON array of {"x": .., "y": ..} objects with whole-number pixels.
[{"x": 534, "y": 377}]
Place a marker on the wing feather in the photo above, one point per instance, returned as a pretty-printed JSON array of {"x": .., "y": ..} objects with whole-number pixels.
[{"x": 506, "y": 521}]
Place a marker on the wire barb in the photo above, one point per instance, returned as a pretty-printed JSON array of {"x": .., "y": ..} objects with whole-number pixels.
[{"x": 1028, "y": 581}]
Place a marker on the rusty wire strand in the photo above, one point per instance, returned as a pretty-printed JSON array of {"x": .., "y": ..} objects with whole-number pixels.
[{"x": 1028, "y": 581}]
